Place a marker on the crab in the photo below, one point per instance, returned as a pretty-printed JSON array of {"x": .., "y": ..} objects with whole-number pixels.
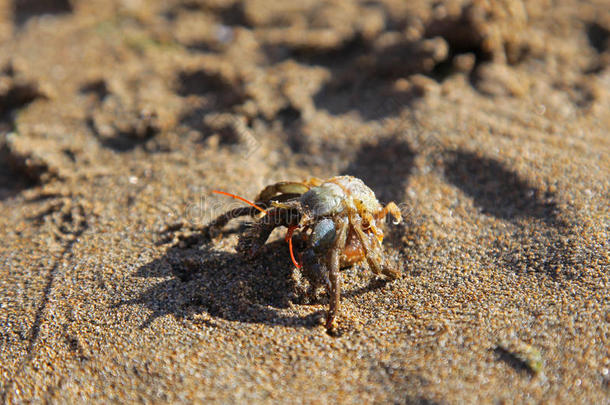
[{"x": 340, "y": 220}]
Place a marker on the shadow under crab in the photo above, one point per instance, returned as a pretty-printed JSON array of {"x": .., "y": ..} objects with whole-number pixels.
[{"x": 202, "y": 284}]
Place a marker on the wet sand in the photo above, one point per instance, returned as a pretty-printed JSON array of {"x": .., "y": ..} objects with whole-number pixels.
[{"x": 487, "y": 122}]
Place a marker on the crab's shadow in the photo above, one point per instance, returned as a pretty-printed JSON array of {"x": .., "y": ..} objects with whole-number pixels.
[
  {"x": 385, "y": 166},
  {"x": 201, "y": 280},
  {"x": 543, "y": 240},
  {"x": 499, "y": 191}
]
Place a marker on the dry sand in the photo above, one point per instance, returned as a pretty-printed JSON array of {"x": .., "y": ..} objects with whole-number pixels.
[{"x": 486, "y": 120}]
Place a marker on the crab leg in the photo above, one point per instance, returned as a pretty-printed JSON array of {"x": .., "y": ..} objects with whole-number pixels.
[
  {"x": 223, "y": 219},
  {"x": 283, "y": 187},
  {"x": 334, "y": 277},
  {"x": 392, "y": 209},
  {"x": 374, "y": 251},
  {"x": 251, "y": 242}
]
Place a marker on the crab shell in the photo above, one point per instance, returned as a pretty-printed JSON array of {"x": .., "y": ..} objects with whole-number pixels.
[{"x": 338, "y": 196}]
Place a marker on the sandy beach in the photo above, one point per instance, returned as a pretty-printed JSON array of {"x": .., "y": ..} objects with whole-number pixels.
[{"x": 487, "y": 122}]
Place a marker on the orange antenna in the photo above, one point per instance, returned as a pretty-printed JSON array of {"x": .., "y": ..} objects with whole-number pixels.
[
  {"x": 288, "y": 239},
  {"x": 241, "y": 199}
]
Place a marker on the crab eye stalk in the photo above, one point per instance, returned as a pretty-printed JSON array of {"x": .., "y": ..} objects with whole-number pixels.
[{"x": 323, "y": 235}]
